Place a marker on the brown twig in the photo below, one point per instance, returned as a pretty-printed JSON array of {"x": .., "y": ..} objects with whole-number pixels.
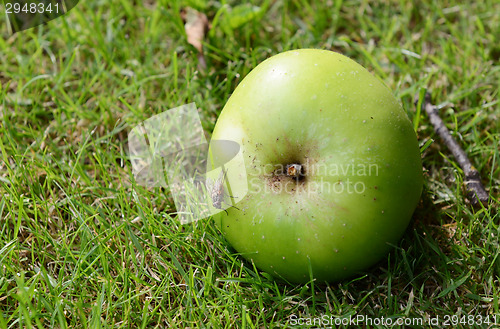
[{"x": 475, "y": 189}]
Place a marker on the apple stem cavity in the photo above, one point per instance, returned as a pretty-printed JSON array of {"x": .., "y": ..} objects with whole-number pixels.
[{"x": 289, "y": 178}]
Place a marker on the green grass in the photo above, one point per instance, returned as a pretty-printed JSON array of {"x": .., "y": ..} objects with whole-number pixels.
[{"x": 82, "y": 246}]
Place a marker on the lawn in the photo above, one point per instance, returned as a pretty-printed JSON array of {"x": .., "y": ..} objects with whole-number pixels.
[{"x": 82, "y": 245}]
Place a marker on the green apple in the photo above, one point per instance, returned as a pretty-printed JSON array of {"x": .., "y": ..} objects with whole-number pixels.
[{"x": 332, "y": 167}]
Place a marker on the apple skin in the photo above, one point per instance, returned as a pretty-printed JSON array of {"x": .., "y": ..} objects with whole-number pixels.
[{"x": 324, "y": 111}]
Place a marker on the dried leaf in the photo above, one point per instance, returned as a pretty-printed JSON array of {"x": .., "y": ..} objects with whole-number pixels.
[{"x": 196, "y": 26}]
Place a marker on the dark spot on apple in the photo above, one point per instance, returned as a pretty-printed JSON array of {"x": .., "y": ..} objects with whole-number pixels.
[
  {"x": 374, "y": 199},
  {"x": 375, "y": 187},
  {"x": 371, "y": 117}
]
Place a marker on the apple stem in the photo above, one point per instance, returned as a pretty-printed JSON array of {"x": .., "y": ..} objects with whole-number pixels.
[
  {"x": 475, "y": 190},
  {"x": 294, "y": 170}
]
